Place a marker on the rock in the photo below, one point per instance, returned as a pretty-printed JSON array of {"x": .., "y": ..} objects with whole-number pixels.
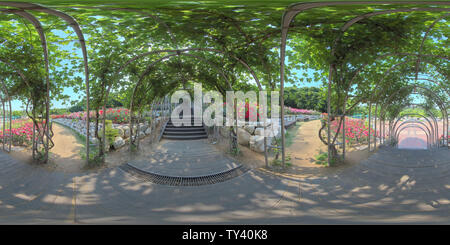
[
  {"x": 118, "y": 142},
  {"x": 142, "y": 127},
  {"x": 257, "y": 143},
  {"x": 243, "y": 137},
  {"x": 274, "y": 132},
  {"x": 250, "y": 129},
  {"x": 126, "y": 131},
  {"x": 148, "y": 131},
  {"x": 121, "y": 132},
  {"x": 259, "y": 131},
  {"x": 141, "y": 135}
]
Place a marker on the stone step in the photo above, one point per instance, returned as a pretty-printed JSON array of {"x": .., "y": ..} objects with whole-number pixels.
[
  {"x": 183, "y": 126},
  {"x": 188, "y": 137},
  {"x": 196, "y": 132},
  {"x": 175, "y": 129}
]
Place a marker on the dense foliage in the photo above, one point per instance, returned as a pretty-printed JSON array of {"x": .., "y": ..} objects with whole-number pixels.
[{"x": 374, "y": 62}]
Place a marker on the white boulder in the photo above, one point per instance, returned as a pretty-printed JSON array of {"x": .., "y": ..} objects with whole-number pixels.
[
  {"x": 243, "y": 137},
  {"x": 250, "y": 129},
  {"x": 257, "y": 143},
  {"x": 141, "y": 135},
  {"x": 126, "y": 131},
  {"x": 118, "y": 142},
  {"x": 259, "y": 131}
]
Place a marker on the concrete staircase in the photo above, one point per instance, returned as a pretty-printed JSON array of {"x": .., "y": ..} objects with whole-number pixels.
[{"x": 184, "y": 132}]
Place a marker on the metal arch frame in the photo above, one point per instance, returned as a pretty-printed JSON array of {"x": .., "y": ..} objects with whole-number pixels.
[
  {"x": 289, "y": 14},
  {"x": 178, "y": 52},
  {"x": 154, "y": 17},
  {"x": 431, "y": 116},
  {"x": 416, "y": 122},
  {"x": 414, "y": 126},
  {"x": 384, "y": 76},
  {"x": 434, "y": 81},
  {"x": 413, "y": 121},
  {"x": 4, "y": 119},
  {"x": 76, "y": 27},
  {"x": 436, "y": 125},
  {"x": 424, "y": 38},
  {"x": 395, "y": 66},
  {"x": 38, "y": 27},
  {"x": 441, "y": 104},
  {"x": 157, "y": 19},
  {"x": 146, "y": 72},
  {"x": 350, "y": 23},
  {"x": 394, "y": 55},
  {"x": 4, "y": 61},
  {"x": 430, "y": 131}
]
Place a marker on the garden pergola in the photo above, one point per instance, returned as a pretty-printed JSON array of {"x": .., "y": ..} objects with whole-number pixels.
[
  {"x": 299, "y": 8},
  {"x": 418, "y": 59}
]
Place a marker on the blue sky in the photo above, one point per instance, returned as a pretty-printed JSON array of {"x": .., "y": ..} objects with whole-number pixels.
[{"x": 17, "y": 105}]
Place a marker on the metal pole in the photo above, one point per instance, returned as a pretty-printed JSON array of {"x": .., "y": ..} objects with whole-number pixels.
[
  {"x": 375, "y": 128},
  {"x": 343, "y": 138},
  {"x": 370, "y": 118},
  {"x": 34, "y": 137},
  {"x": 10, "y": 126},
  {"x": 329, "y": 114},
  {"x": 4, "y": 122}
]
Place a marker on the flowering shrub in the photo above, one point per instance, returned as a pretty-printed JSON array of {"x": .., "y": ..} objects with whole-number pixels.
[
  {"x": 21, "y": 132},
  {"x": 251, "y": 112},
  {"x": 356, "y": 131},
  {"x": 116, "y": 115},
  {"x": 298, "y": 111}
]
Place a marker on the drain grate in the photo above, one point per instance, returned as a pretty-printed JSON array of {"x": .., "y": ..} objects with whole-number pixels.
[{"x": 184, "y": 181}]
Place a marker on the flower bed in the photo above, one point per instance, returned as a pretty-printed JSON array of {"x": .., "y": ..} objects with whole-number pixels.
[
  {"x": 296, "y": 111},
  {"x": 356, "y": 131},
  {"x": 21, "y": 132},
  {"x": 116, "y": 115}
]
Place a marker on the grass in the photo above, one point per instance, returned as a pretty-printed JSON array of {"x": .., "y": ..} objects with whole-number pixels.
[
  {"x": 291, "y": 133},
  {"x": 278, "y": 162},
  {"x": 322, "y": 159}
]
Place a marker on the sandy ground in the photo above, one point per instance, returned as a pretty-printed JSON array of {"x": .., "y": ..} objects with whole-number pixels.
[
  {"x": 305, "y": 146},
  {"x": 65, "y": 155}
]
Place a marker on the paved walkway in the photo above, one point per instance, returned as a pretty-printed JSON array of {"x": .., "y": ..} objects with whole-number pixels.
[
  {"x": 185, "y": 158},
  {"x": 392, "y": 186}
]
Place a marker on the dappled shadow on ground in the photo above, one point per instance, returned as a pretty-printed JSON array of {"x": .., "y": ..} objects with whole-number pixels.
[
  {"x": 361, "y": 194},
  {"x": 412, "y": 143}
]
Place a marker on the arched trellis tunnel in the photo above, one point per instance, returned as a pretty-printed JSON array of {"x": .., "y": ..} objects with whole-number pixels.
[
  {"x": 299, "y": 8},
  {"x": 291, "y": 12},
  {"x": 414, "y": 123},
  {"x": 22, "y": 9}
]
